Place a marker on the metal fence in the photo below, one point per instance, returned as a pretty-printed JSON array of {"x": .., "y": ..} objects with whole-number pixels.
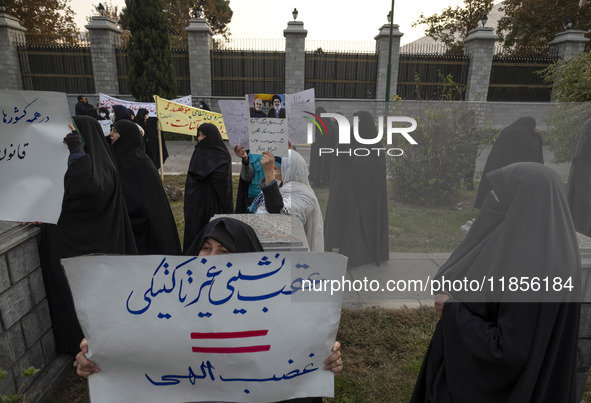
[
  {"x": 239, "y": 72},
  {"x": 180, "y": 61},
  {"x": 341, "y": 75},
  {"x": 56, "y": 64},
  {"x": 241, "y": 44},
  {"x": 515, "y": 79},
  {"x": 335, "y": 46},
  {"x": 432, "y": 76},
  {"x": 425, "y": 72},
  {"x": 122, "y": 69}
]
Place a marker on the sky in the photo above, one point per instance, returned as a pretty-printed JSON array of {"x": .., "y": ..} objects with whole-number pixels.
[{"x": 330, "y": 20}]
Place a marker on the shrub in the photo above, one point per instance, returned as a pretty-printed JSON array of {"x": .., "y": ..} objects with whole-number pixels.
[
  {"x": 565, "y": 122},
  {"x": 433, "y": 171},
  {"x": 571, "y": 85}
]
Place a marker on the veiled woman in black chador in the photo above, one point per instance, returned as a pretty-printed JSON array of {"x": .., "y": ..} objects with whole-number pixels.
[
  {"x": 507, "y": 346},
  {"x": 579, "y": 183},
  {"x": 208, "y": 189},
  {"x": 321, "y": 165},
  {"x": 518, "y": 142},
  {"x": 93, "y": 220},
  {"x": 357, "y": 212},
  {"x": 151, "y": 218}
]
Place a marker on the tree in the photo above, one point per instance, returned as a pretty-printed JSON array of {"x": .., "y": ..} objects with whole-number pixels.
[
  {"x": 151, "y": 71},
  {"x": 44, "y": 18},
  {"x": 454, "y": 24},
  {"x": 217, "y": 13},
  {"x": 571, "y": 85},
  {"x": 526, "y": 24},
  {"x": 534, "y": 23}
]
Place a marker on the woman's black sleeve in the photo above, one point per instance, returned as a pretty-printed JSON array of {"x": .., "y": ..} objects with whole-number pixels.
[{"x": 273, "y": 198}]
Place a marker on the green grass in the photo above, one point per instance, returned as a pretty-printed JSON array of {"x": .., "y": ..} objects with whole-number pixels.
[
  {"x": 411, "y": 228},
  {"x": 429, "y": 229},
  {"x": 382, "y": 351}
]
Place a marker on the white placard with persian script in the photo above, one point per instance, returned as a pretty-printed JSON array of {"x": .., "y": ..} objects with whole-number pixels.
[
  {"x": 236, "y": 121},
  {"x": 297, "y": 104},
  {"x": 268, "y": 134},
  {"x": 232, "y": 327},
  {"x": 33, "y": 159}
]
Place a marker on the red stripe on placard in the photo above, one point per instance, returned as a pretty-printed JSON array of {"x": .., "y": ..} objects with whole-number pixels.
[
  {"x": 231, "y": 350},
  {"x": 229, "y": 335}
]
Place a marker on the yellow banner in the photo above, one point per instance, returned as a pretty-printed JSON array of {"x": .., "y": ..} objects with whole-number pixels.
[{"x": 183, "y": 119}]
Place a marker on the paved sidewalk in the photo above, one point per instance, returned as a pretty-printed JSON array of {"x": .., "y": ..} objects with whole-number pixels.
[{"x": 409, "y": 273}]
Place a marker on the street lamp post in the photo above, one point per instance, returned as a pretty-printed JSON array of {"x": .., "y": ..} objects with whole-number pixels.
[
  {"x": 483, "y": 20},
  {"x": 391, "y": 20}
]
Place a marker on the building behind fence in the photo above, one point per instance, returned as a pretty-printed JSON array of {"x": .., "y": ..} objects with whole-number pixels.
[{"x": 98, "y": 62}]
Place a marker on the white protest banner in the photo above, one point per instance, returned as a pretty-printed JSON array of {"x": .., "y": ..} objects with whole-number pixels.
[
  {"x": 33, "y": 159},
  {"x": 106, "y": 101},
  {"x": 236, "y": 121},
  {"x": 216, "y": 328},
  {"x": 297, "y": 104},
  {"x": 266, "y": 133}
]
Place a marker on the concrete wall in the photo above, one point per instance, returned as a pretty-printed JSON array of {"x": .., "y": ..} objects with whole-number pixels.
[{"x": 494, "y": 114}]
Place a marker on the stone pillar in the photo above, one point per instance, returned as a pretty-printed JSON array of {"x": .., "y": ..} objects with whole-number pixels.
[
  {"x": 295, "y": 56},
  {"x": 200, "y": 45},
  {"x": 480, "y": 46},
  {"x": 568, "y": 43},
  {"x": 565, "y": 45},
  {"x": 11, "y": 33},
  {"x": 383, "y": 49},
  {"x": 104, "y": 37}
]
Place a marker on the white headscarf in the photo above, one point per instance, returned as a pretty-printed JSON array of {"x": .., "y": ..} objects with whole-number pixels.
[{"x": 300, "y": 200}]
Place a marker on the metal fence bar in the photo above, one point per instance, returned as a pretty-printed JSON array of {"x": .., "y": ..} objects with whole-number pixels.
[
  {"x": 182, "y": 69},
  {"x": 239, "y": 72},
  {"x": 249, "y": 44},
  {"x": 56, "y": 67},
  {"x": 327, "y": 46},
  {"x": 515, "y": 79},
  {"x": 427, "y": 49},
  {"x": 341, "y": 75},
  {"x": 424, "y": 76}
]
